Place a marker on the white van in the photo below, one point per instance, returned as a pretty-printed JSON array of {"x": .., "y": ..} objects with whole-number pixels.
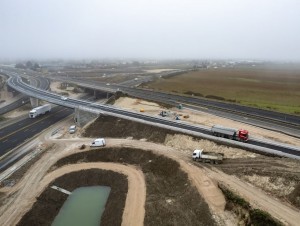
[{"x": 100, "y": 142}]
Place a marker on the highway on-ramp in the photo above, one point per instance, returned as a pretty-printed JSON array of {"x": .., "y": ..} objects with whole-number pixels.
[{"x": 273, "y": 148}]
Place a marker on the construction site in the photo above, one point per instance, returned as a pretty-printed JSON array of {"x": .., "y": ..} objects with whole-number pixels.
[{"x": 152, "y": 175}]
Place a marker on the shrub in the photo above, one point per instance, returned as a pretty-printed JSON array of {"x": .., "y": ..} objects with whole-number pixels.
[{"x": 261, "y": 218}]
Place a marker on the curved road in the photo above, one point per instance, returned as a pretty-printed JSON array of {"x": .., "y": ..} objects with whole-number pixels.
[
  {"x": 38, "y": 82},
  {"x": 17, "y": 83}
]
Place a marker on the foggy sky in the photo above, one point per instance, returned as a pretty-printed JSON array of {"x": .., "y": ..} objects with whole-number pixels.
[{"x": 210, "y": 29}]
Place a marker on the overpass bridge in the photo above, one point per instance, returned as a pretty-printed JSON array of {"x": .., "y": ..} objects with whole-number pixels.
[{"x": 199, "y": 131}]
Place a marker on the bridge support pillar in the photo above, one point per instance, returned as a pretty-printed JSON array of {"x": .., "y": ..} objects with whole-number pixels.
[
  {"x": 82, "y": 116},
  {"x": 34, "y": 102}
]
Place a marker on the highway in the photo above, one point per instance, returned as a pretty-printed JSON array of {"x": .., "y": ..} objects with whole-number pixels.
[
  {"x": 276, "y": 121},
  {"x": 36, "y": 81},
  {"x": 17, "y": 133},
  {"x": 17, "y": 83}
]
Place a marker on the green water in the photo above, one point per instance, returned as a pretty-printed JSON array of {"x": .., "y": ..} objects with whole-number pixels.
[{"x": 83, "y": 207}]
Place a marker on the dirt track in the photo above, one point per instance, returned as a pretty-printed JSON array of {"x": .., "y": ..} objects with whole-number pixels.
[
  {"x": 24, "y": 193},
  {"x": 34, "y": 183},
  {"x": 203, "y": 178},
  {"x": 134, "y": 211}
]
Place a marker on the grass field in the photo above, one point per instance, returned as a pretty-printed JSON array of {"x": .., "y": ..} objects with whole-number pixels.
[{"x": 272, "y": 89}]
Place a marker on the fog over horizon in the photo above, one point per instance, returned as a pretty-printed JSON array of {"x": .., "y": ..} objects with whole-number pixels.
[{"x": 160, "y": 29}]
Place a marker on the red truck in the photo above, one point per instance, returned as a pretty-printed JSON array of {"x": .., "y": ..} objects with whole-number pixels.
[{"x": 230, "y": 133}]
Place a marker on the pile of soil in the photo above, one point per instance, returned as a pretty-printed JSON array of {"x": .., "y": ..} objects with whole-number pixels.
[
  {"x": 50, "y": 201},
  {"x": 171, "y": 198},
  {"x": 109, "y": 126}
]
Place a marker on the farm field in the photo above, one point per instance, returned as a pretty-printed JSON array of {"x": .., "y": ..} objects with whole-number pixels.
[{"x": 271, "y": 89}]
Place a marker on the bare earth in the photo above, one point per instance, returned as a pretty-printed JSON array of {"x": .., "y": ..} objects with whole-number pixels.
[
  {"x": 24, "y": 193},
  {"x": 205, "y": 119}
]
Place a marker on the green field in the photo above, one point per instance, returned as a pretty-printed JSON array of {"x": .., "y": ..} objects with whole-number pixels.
[{"x": 266, "y": 88}]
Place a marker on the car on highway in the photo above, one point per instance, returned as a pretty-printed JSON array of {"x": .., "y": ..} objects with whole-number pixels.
[{"x": 63, "y": 98}]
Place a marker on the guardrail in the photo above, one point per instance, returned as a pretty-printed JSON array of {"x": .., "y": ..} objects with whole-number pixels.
[{"x": 111, "y": 110}]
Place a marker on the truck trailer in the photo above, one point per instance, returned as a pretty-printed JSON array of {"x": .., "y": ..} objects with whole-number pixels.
[
  {"x": 211, "y": 157},
  {"x": 230, "y": 133},
  {"x": 41, "y": 110}
]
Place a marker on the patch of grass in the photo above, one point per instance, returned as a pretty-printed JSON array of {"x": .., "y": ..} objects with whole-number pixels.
[
  {"x": 193, "y": 94},
  {"x": 214, "y": 97},
  {"x": 234, "y": 198},
  {"x": 270, "y": 89}
]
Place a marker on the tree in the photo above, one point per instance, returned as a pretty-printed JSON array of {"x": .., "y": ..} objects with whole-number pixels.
[
  {"x": 29, "y": 64},
  {"x": 21, "y": 66}
]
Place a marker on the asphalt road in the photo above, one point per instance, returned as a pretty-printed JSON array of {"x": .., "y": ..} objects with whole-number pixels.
[
  {"x": 276, "y": 121},
  {"x": 16, "y": 134},
  {"x": 39, "y": 82},
  {"x": 18, "y": 103},
  {"x": 18, "y": 84}
]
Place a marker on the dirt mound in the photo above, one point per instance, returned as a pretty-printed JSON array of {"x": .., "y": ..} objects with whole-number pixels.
[
  {"x": 169, "y": 191},
  {"x": 108, "y": 126},
  {"x": 276, "y": 176},
  {"x": 187, "y": 144},
  {"x": 50, "y": 201}
]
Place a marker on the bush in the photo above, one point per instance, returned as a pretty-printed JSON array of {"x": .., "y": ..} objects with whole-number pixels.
[
  {"x": 193, "y": 94},
  {"x": 262, "y": 218},
  {"x": 215, "y": 97},
  {"x": 231, "y": 197}
]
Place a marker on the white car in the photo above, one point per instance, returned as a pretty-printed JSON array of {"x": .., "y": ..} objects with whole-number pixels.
[
  {"x": 72, "y": 129},
  {"x": 63, "y": 98}
]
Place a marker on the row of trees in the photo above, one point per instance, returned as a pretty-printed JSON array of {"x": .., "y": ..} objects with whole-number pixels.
[{"x": 28, "y": 65}]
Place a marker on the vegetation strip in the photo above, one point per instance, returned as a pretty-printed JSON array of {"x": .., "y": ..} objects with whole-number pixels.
[{"x": 245, "y": 213}]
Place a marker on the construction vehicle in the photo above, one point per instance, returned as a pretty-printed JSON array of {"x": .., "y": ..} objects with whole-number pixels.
[
  {"x": 164, "y": 113},
  {"x": 41, "y": 110},
  {"x": 211, "y": 157},
  {"x": 230, "y": 133}
]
